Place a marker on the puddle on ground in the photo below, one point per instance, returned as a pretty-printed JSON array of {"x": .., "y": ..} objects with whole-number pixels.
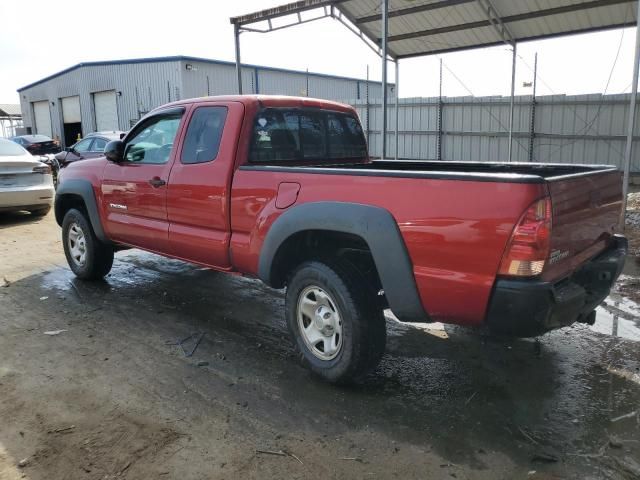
[
  {"x": 618, "y": 317},
  {"x": 612, "y": 324},
  {"x": 131, "y": 268}
]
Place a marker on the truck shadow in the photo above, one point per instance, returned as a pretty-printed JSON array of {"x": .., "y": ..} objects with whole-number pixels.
[{"x": 456, "y": 392}]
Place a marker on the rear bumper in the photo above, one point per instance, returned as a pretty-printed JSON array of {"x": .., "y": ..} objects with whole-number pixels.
[
  {"x": 33, "y": 196},
  {"x": 527, "y": 308}
]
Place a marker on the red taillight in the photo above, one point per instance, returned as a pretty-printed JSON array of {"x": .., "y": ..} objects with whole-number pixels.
[
  {"x": 528, "y": 247},
  {"x": 42, "y": 169}
]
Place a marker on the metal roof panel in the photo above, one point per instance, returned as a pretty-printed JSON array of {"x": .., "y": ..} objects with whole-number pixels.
[
  {"x": 423, "y": 27},
  {"x": 10, "y": 110}
]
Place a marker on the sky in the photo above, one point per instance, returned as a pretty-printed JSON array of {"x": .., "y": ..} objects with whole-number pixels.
[{"x": 41, "y": 37}]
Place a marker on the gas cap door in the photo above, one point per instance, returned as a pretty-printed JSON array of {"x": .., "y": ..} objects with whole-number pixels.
[{"x": 287, "y": 194}]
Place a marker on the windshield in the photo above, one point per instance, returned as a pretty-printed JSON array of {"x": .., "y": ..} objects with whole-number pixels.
[{"x": 11, "y": 149}]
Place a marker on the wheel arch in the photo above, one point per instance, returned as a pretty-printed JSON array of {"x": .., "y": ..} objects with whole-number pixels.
[
  {"x": 375, "y": 227},
  {"x": 78, "y": 193}
]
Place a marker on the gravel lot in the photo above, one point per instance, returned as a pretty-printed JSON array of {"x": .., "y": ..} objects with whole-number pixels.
[{"x": 109, "y": 396}]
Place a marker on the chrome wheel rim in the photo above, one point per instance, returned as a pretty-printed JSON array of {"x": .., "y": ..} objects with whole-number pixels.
[
  {"x": 319, "y": 322},
  {"x": 77, "y": 244}
]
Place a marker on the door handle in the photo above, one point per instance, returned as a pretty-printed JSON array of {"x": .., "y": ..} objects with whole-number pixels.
[{"x": 157, "y": 182}]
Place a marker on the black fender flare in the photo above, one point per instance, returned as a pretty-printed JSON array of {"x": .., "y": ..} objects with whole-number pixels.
[
  {"x": 83, "y": 189},
  {"x": 376, "y": 226}
]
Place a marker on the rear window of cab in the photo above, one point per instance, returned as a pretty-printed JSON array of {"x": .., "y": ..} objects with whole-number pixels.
[{"x": 282, "y": 135}]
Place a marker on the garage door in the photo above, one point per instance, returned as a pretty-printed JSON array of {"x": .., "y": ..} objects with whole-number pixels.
[
  {"x": 71, "y": 110},
  {"x": 106, "y": 110},
  {"x": 42, "y": 118}
]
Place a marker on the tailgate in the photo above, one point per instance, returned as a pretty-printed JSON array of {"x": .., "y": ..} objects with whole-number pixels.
[{"x": 586, "y": 210}]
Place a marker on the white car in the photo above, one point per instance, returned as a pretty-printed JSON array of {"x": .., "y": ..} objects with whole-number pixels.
[{"x": 25, "y": 183}]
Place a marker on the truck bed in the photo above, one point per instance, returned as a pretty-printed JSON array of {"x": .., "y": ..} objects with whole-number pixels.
[{"x": 448, "y": 216}]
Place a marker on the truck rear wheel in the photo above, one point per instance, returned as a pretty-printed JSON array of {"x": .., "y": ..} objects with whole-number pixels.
[
  {"x": 335, "y": 319},
  {"x": 87, "y": 256}
]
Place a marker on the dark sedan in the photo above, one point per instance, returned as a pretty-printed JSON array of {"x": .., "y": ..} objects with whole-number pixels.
[
  {"x": 89, "y": 147},
  {"x": 37, "y": 144}
]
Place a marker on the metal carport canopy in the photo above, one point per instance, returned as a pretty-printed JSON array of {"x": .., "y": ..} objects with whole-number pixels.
[
  {"x": 414, "y": 28},
  {"x": 426, "y": 27}
]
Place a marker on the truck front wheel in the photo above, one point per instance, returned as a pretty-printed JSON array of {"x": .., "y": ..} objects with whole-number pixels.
[
  {"x": 336, "y": 321},
  {"x": 88, "y": 257}
]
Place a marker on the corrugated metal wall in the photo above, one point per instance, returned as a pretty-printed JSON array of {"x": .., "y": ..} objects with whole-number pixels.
[
  {"x": 206, "y": 79},
  {"x": 146, "y": 84},
  {"x": 571, "y": 129},
  {"x": 221, "y": 79},
  {"x": 143, "y": 86},
  {"x": 566, "y": 129}
]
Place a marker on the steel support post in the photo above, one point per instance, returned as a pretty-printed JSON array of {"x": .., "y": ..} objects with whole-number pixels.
[
  {"x": 532, "y": 124},
  {"x": 440, "y": 111},
  {"x": 368, "y": 113},
  {"x": 397, "y": 105},
  {"x": 236, "y": 34},
  {"x": 631, "y": 124},
  {"x": 512, "y": 104},
  {"x": 385, "y": 35}
]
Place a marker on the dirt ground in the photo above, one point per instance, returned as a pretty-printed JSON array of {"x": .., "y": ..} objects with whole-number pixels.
[{"x": 110, "y": 396}]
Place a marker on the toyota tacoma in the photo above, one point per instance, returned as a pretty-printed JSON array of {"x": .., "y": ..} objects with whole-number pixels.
[{"x": 283, "y": 189}]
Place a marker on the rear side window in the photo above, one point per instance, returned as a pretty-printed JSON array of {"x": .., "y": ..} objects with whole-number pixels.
[
  {"x": 298, "y": 135},
  {"x": 202, "y": 141}
]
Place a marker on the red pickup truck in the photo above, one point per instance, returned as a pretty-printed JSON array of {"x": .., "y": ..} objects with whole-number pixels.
[{"x": 283, "y": 189}]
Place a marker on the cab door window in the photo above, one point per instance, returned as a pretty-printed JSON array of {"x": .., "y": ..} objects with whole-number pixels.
[{"x": 152, "y": 142}]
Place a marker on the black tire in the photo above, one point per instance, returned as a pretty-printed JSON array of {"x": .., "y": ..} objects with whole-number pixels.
[
  {"x": 98, "y": 257},
  {"x": 40, "y": 212},
  {"x": 362, "y": 320}
]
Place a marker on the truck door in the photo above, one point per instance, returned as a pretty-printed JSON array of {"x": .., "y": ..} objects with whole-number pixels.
[
  {"x": 135, "y": 191},
  {"x": 200, "y": 184}
]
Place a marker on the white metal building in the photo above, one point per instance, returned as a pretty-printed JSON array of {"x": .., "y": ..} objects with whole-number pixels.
[{"x": 113, "y": 95}]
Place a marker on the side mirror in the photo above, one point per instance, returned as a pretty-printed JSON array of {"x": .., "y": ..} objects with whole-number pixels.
[
  {"x": 68, "y": 149},
  {"x": 122, "y": 135},
  {"x": 114, "y": 151}
]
